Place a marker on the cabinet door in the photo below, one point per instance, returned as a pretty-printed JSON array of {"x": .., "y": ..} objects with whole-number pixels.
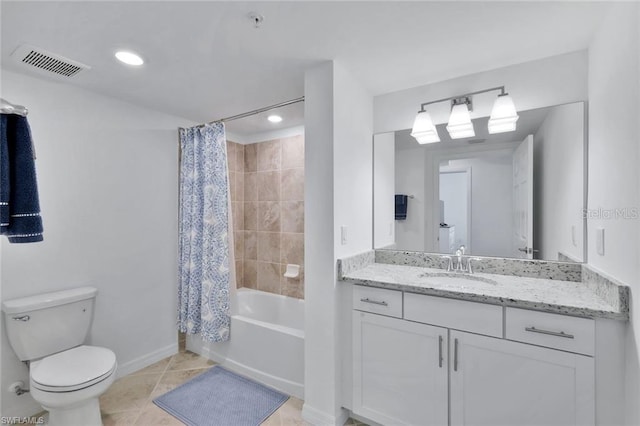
[
  {"x": 399, "y": 371},
  {"x": 499, "y": 382}
]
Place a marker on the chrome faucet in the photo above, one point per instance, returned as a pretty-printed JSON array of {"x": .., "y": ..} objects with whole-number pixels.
[{"x": 460, "y": 254}]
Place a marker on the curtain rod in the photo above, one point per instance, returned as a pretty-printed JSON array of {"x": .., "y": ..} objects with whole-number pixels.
[{"x": 254, "y": 112}]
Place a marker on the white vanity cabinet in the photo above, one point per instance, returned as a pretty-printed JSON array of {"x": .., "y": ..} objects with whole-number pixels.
[
  {"x": 444, "y": 361},
  {"x": 400, "y": 371},
  {"x": 500, "y": 382}
]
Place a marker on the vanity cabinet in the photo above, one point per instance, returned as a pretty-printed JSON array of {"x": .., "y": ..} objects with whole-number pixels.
[
  {"x": 443, "y": 361},
  {"x": 500, "y": 382}
]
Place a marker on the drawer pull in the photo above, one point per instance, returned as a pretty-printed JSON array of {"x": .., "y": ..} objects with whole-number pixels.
[
  {"x": 455, "y": 354},
  {"x": 550, "y": 333},
  {"x": 374, "y": 302}
]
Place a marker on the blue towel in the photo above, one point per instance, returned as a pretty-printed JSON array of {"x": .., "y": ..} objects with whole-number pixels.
[
  {"x": 401, "y": 206},
  {"x": 19, "y": 205}
]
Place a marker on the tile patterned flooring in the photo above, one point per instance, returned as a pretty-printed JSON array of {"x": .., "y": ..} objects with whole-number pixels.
[{"x": 129, "y": 400}]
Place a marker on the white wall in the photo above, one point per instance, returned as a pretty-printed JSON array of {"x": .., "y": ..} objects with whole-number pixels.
[
  {"x": 410, "y": 180},
  {"x": 107, "y": 174},
  {"x": 558, "y": 181},
  {"x": 550, "y": 81},
  {"x": 338, "y": 189},
  {"x": 384, "y": 186},
  {"x": 614, "y": 178}
]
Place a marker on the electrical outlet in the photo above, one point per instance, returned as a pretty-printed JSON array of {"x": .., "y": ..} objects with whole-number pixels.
[{"x": 600, "y": 241}]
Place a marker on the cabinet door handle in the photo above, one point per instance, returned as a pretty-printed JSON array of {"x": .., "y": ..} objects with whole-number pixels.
[
  {"x": 455, "y": 354},
  {"x": 440, "y": 351},
  {"x": 375, "y": 302},
  {"x": 550, "y": 333}
]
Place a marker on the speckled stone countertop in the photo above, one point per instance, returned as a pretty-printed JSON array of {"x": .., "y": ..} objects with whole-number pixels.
[{"x": 563, "y": 297}]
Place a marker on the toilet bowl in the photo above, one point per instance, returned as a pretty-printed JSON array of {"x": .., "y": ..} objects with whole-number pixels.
[
  {"x": 65, "y": 376},
  {"x": 68, "y": 384}
]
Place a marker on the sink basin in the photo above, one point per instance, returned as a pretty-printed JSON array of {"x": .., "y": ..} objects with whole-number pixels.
[{"x": 458, "y": 276}]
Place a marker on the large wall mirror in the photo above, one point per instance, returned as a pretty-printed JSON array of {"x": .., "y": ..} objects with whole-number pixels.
[{"x": 519, "y": 194}]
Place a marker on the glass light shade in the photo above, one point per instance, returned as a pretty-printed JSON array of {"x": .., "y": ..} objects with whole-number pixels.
[
  {"x": 424, "y": 131},
  {"x": 503, "y": 115},
  {"x": 460, "y": 125}
]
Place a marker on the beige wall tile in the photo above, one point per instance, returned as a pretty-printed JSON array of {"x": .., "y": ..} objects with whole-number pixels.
[
  {"x": 292, "y": 287},
  {"x": 250, "y": 245},
  {"x": 269, "y": 247},
  {"x": 269, "y": 155},
  {"x": 239, "y": 274},
  {"x": 269, "y": 186},
  {"x": 292, "y": 248},
  {"x": 237, "y": 211},
  {"x": 250, "y": 186},
  {"x": 231, "y": 156},
  {"x": 239, "y": 158},
  {"x": 293, "y": 216},
  {"x": 240, "y": 186},
  {"x": 251, "y": 158},
  {"x": 293, "y": 152},
  {"x": 269, "y": 216},
  {"x": 250, "y": 270},
  {"x": 232, "y": 185},
  {"x": 251, "y": 216},
  {"x": 269, "y": 277},
  {"x": 292, "y": 185},
  {"x": 238, "y": 245}
]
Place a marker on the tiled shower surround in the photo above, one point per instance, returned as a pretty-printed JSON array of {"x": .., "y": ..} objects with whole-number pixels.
[{"x": 267, "y": 202}]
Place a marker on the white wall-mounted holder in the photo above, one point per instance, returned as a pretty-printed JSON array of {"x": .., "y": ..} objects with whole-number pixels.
[{"x": 292, "y": 271}]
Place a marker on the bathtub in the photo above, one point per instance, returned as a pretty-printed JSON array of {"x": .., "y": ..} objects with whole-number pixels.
[{"x": 267, "y": 341}]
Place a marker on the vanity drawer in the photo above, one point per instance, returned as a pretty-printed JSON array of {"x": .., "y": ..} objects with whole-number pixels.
[
  {"x": 378, "y": 301},
  {"x": 551, "y": 330},
  {"x": 474, "y": 317}
]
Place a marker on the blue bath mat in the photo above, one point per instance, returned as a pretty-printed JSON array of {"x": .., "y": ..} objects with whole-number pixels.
[{"x": 221, "y": 398}]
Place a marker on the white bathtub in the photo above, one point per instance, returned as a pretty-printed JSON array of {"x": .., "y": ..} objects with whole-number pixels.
[{"x": 267, "y": 341}]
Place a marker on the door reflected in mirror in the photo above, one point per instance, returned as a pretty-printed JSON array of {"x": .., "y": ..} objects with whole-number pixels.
[{"x": 518, "y": 194}]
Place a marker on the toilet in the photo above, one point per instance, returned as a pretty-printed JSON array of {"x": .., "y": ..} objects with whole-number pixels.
[{"x": 65, "y": 376}]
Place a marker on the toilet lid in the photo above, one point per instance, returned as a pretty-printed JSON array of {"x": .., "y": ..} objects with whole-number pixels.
[{"x": 83, "y": 365}]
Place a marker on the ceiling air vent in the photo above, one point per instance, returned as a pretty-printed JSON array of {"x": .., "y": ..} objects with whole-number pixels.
[{"x": 47, "y": 62}]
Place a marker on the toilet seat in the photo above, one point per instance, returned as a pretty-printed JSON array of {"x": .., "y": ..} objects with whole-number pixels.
[{"x": 73, "y": 369}]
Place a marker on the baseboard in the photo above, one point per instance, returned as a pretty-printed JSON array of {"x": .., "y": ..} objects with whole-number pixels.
[
  {"x": 283, "y": 385},
  {"x": 146, "y": 360},
  {"x": 317, "y": 417}
]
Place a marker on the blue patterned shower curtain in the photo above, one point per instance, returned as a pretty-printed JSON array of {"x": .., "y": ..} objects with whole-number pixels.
[{"x": 204, "y": 275}]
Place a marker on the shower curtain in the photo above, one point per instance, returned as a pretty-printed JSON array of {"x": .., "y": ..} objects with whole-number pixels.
[{"x": 205, "y": 276}]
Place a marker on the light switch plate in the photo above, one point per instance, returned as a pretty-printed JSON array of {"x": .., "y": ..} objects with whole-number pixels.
[{"x": 600, "y": 241}]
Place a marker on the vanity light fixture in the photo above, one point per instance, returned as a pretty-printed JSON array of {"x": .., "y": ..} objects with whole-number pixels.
[
  {"x": 423, "y": 129},
  {"x": 503, "y": 117},
  {"x": 460, "y": 125}
]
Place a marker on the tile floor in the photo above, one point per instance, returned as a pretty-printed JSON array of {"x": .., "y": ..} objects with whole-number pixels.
[{"x": 129, "y": 400}]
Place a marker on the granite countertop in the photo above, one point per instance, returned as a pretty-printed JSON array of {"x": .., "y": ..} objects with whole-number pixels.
[{"x": 557, "y": 296}]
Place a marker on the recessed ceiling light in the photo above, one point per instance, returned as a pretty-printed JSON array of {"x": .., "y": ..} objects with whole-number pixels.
[
  {"x": 129, "y": 58},
  {"x": 274, "y": 118}
]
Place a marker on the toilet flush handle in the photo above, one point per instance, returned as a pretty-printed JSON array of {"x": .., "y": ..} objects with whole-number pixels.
[{"x": 22, "y": 318}]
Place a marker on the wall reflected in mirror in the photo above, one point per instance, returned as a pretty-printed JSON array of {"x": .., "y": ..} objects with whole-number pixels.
[{"x": 519, "y": 194}]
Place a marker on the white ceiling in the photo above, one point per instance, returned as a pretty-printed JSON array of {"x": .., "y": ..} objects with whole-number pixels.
[{"x": 205, "y": 60}]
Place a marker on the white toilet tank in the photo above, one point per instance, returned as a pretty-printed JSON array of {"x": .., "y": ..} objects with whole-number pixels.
[{"x": 44, "y": 324}]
